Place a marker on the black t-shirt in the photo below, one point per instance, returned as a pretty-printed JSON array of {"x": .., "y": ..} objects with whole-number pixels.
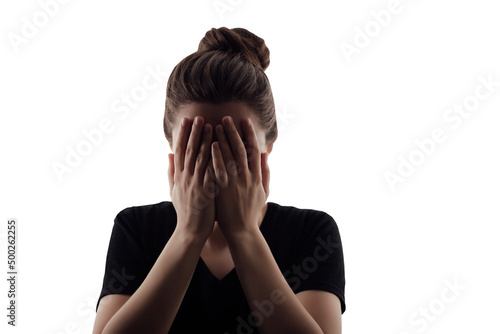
[{"x": 305, "y": 243}]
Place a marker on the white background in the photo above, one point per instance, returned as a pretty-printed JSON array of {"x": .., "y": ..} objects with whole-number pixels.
[{"x": 342, "y": 126}]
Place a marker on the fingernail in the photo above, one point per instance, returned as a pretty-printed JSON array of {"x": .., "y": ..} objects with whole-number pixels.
[
  {"x": 207, "y": 128},
  {"x": 197, "y": 120},
  {"x": 183, "y": 121},
  {"x": 227, "y": 120}
]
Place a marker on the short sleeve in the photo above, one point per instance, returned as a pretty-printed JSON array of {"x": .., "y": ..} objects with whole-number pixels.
[
  {"x": 320, "y": 263},
  {"x": 126, "y": 265}
]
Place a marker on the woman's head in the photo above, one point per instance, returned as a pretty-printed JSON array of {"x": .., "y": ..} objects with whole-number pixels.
[{"x": 224, "y": 77}]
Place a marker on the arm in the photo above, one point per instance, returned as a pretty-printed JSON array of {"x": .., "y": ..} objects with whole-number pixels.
[
  {"x": 266, "y": 290},
  {"x": 154, "y": 305},
  {"x": 152, "y": 308},
  {"x": 243, "y": 191},
  {"x": 325, "y": 308}
]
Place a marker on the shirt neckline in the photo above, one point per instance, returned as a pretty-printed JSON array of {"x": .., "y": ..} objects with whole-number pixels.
[{"x": 271, "y": 209}]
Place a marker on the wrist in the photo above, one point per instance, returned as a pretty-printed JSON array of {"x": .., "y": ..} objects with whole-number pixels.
[
  {"x": 242, "y": 237},
  {"x": 189, "y": 238}
]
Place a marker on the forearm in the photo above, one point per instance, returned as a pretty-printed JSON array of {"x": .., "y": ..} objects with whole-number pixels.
[
  {"x": 265, "y": 286},
  {"x": 153, "y": 307}
]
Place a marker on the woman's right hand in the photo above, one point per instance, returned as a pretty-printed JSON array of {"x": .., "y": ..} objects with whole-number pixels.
[{"x": 191, "y": 178}]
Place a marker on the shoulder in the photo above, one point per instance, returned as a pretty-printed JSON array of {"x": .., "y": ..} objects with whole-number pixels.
[
  {"x": 147, "y": 216},
  {"x": 148, "y": 226},
  {"x": 307, "y": 246},
  {"x": 299, "y": 228},
  {"x": 305, "y": 219},
  {"x": 148, "y": 210}
]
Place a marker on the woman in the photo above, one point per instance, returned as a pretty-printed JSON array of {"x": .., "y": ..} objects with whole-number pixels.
[{"x": 218, "y": 258}]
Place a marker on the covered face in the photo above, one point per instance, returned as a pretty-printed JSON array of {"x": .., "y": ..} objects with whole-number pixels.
[{"x": 213, "y": 114}]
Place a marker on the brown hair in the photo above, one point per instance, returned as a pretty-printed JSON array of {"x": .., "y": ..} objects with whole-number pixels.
[{"x": 228, "y": 67}]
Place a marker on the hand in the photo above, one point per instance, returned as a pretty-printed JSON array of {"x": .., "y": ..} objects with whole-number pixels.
[
  {"x": 191, "y": 178},
  {"x": 242, "y": 176}
]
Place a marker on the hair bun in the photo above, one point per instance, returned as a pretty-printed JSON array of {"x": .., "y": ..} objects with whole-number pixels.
[{"x": 237, "y": 40}]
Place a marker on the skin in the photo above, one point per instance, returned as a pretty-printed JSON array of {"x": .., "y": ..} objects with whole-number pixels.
[
  {"x": 213, "y": 115},
  {"x": 199, "y": 162},
  {"x": 237, "y": 229}
]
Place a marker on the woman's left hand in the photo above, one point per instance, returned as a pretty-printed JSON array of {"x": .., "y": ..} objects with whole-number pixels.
[{"x": 242, "y": 177}]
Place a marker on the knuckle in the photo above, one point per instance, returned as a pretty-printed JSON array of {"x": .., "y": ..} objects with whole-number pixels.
[
  {"x": 230, "y": 167},
  {"x": 199, "y": 159},
  {"x": 189, "y": 151},
  {"x": 233, "y": 167}
]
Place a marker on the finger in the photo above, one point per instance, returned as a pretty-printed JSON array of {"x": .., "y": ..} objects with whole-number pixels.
[
  {"x": 171, "y": 172},
  {"x": 221, "y": 176},
  {"x": 233, "y": 137},
  {"x": 225, "y": 149},
  {"x": 266, "y": 173},
  {"x": 193, "y": 145},
  {"x": 204, "y": 153},
  {"x": 181, "y": 142},
  {"x": 209, "y": 180},
  {"x": 252, "y": 146},
  {"x": 206, "y": 176}
]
